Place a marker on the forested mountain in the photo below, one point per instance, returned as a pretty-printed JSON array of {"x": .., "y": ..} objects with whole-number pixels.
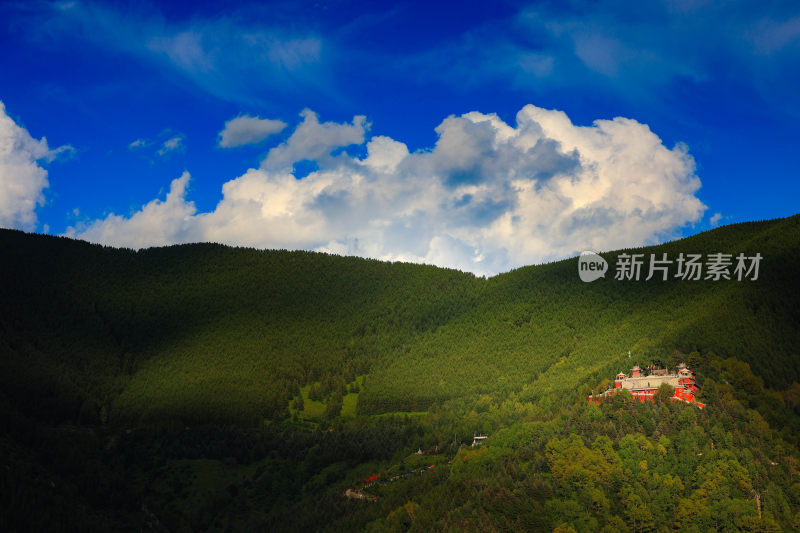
[{"x": 200, "y": 387}]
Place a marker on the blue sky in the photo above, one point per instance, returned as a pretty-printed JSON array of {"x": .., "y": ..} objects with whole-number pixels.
[{"x": 445, "y": 134}]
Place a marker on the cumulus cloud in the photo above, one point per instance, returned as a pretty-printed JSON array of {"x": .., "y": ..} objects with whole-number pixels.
[
  {"x": 158, "y": 223},
  {"x": 248, "y": 130},
  {"x": 714, "y": 220},
  {"x": 22, "y": 178},
  {"x": 487, "y": 197},
  {"x": 314, "y": 141}
]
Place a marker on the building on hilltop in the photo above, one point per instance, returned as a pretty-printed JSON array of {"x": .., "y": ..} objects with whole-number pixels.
[{"x": 644, "y": 386}]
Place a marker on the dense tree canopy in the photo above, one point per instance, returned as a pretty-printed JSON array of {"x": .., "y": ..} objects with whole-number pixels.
[{"x": 202, "y": 387}]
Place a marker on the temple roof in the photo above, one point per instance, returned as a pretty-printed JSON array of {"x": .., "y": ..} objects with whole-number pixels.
[{"x": 650, "y": 382}]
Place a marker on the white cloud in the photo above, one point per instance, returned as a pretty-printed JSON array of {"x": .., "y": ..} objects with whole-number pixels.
[
  {"x": 714, "y": 220},
  {"x": 237, "y": 58},
  {"x": 170, "y": 145},
  {"x": 248, "y": 130},
  {"x": 314, "y": 141},
  {"x": 637, "y": 55},
  {"x": 139, "y": 143},
  {"x": 487, "y": 197},
  {"x": 22, "y": 178},
  {"x": 155, "y": 224},
  {"x": 185, "y": 49}
]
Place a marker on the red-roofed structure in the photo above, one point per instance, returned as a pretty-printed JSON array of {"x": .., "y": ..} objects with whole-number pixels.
[{"x": 643, "y": 387}]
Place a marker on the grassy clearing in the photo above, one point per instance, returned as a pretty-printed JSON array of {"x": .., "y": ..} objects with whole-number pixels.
[
  {"x": 350, "y": 401},
  {"x": 314, "y": 411},
  {"x": 349, "y": 404},
  {"x": 311, "y": 409}
]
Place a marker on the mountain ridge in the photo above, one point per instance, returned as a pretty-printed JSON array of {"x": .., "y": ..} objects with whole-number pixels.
[{"x": 162, "y": 312}]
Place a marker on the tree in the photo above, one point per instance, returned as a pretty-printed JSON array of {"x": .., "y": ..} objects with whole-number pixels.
[
  {"x": 664, "y": 393},
  {"x": 334, "y": 406},
  {"x": 315, "y": 393},
  {"x": 298, "y": 404},
  {"x": 639, "y": 516},
  {"x": 564, "y": 528}
]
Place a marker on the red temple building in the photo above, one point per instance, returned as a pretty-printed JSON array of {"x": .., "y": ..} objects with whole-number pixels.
[{"x": 644, "y": 387}]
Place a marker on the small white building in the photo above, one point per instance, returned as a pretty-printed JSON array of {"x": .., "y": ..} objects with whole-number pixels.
[{"x": 477, "y": 440}]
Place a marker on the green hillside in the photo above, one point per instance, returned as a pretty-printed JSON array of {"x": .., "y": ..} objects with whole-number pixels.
[
  {"x": 198, "y": 375},
  {"x": 210, "y": 333}
]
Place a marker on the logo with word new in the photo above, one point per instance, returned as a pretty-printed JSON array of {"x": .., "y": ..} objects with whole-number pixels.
[
  {"x": 591, "y": 266},
  {"x": 690, "y": 267}
]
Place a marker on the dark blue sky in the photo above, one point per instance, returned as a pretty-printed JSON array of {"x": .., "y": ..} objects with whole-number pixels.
[{"x": 720, "y": 78}]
